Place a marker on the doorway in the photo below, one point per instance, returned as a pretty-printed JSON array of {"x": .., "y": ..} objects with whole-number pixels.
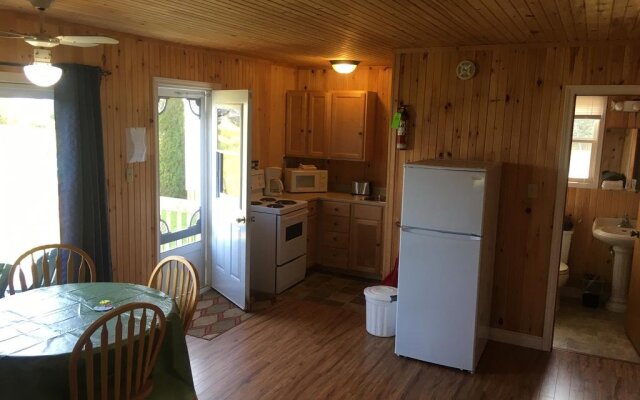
[
  {"x": 590, "y": 271},
  {"x": 203, "y": 147}
]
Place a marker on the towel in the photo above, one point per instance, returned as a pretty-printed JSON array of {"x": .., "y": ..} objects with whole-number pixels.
[{"x": 612, "y": 185}]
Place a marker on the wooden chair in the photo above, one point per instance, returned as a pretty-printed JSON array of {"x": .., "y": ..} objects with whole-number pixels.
[
  {"x": 178, "y": 278},
  {"x": 124, "y": 367},
  {"x": 45, "y": 264}
]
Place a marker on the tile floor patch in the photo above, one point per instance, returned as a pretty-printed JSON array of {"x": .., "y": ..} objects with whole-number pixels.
[
  {"x": 215, "y": 314},
  {"x": 592, "y": 331}
]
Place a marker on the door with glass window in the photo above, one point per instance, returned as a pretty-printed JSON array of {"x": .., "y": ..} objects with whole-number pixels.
[
  {"x": 229, "y": 195},
  {"x": 182, "y": 126}
]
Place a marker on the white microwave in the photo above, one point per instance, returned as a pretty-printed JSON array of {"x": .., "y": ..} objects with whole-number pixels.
[{"x": 305, "y": 180}]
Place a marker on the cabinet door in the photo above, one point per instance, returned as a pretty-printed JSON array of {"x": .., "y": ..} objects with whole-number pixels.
[
  {"x": 366, "y": 245},
  {"x": 296, "y": 124},
  {"x": 317, "y": 132},
  {"x": 312, "y": 240},
  {"x": 348, "y": 125}
]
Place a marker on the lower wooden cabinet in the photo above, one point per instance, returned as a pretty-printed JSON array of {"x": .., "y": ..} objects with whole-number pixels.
[
  {"x": 312, "y": 234},
  {"x": 365, "y": 243},
  {"x": 350, "y": 237}
]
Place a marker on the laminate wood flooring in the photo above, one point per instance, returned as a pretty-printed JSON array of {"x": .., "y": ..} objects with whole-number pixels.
[{"x": 305, "y": 350}]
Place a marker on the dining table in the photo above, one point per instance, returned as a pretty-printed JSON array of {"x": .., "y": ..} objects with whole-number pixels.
[{"x": 40, "y": 327}]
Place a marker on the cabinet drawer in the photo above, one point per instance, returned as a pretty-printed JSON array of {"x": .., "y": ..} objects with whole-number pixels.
[
  {"x": 336, "y": 239},
  {"x": 332, "y": 223},
  {"x": 312, "y": 207},
  {"x": 332, "y": 257},
  {"x": 336, "y": 208},
  {"x": 367, "y": 212}
]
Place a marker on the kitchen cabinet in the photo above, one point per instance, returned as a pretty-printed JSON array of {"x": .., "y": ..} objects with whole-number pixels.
[
  {"x": 366, "y": 239},
  {"x": 312, "y": 233},
  {"x": 306, "y": 132},
  {"x": 330, "y": 125},
  {"x": 350, "y": 237},
  {"x": 352, "y": 125},
  {"x": 335, "y": 234}
]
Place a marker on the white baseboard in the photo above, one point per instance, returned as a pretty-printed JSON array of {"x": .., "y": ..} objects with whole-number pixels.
[
  {"x": 205, "y": 289},
  {"x": 516, "y": 338}
]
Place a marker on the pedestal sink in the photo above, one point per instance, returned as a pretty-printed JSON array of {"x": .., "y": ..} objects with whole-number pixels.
[{"x": 608, "y": 231}]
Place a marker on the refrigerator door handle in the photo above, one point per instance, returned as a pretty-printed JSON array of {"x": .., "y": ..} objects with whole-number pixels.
[{"x": 435, "y": 232}]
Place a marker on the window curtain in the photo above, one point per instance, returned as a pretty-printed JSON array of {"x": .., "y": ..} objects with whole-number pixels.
[{"x": 81, "y": 176}]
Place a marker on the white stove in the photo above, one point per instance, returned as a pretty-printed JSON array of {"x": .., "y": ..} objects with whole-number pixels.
[{"x": 278, "y": 239}]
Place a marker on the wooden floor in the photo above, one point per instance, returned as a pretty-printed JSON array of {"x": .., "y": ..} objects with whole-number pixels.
[{"x": 304, "y": 350}]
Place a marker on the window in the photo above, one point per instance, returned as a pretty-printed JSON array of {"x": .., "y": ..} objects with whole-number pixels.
[
  {"x": 29, "y": 180},
  {"x": 586, "y": 143}
]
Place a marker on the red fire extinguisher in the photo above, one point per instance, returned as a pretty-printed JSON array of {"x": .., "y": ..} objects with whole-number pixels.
[{"x": 403, "y": 128}]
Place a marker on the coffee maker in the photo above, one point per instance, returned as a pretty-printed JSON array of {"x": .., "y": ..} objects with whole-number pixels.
[{"x": 273, "y": 181}]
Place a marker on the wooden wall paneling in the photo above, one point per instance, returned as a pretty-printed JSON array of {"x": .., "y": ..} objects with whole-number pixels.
[
  {"x": 513, "y": 109},
  {"x": 126, "y": 96}
]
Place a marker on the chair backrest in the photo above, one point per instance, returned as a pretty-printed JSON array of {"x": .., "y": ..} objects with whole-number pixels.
[
  {"x": 178, "y": 278},
  {"x": 44, "y": 265},
  {"x": 129, "y": 339}
]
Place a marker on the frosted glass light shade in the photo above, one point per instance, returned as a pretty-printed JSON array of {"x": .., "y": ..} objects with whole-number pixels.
[
  {"x": 344, "y": 66},
  {"x": 42, "y": 74}
]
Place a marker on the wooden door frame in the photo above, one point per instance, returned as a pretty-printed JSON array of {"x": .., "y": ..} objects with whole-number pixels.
[
  {"x": 157, "y": 81},
  {"x": 570, "y": 92}
]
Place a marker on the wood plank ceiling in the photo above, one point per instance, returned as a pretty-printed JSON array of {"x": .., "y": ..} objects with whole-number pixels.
[{"x": 309, "y": 32}]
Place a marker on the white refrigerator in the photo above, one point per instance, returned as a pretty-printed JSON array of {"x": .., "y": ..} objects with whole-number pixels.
[{"x": 447, "y": 245}]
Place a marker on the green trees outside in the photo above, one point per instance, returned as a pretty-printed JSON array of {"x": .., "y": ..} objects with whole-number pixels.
[{"x": 171, "y": 143}]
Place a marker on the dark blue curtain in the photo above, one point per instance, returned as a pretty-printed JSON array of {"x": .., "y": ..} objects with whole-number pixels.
[{"x": 81, "y": 177}]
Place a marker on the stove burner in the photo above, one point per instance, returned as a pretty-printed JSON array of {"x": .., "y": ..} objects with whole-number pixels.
[
  {"x": 285, "y": 202},
  {"x": 256, "y": 203},
  {"x": 267, "y": 199},
  {"x": 275, "y": 205}
]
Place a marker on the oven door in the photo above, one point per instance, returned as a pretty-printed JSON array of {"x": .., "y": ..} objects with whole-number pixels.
[{"x": 291, "y": 242}]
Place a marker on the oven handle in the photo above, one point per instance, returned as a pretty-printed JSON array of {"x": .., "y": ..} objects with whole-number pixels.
[{"x": 295, "y": 214}]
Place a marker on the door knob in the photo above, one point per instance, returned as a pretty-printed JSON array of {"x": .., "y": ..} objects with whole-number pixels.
[
  {"x": 635, "y": 234},
  {"x": 241, "y": 220}
]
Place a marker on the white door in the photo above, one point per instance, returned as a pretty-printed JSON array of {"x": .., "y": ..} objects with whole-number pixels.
[
  {"x": 229, "y": 196},
  {"x": 183, "y": 117}
]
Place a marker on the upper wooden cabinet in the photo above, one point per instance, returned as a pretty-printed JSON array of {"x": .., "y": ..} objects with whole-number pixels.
[
  {"x": 337, "y": 125},
  {"x": 352, "y": 125},
  {"x": 306, "y": 124}
]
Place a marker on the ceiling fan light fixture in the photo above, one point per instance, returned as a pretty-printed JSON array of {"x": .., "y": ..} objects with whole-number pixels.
[
  {"x": 344, "y": 66},
  {"x": 41, "y": 72}
]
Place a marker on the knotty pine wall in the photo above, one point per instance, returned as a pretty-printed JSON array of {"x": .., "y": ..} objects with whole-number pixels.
[
  {"x": 127, "y": 102},
  {"x": 587, "y": 254},
  {"x": 510, "y": 112},
  {"x": 374, "y": 79}
]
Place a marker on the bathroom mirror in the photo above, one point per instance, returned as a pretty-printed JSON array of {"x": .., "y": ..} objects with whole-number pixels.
[{"x": 604, "y": 147}]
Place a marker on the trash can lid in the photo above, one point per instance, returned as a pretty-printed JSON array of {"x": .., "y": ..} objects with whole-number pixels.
[{"x": 382, "y": 293}]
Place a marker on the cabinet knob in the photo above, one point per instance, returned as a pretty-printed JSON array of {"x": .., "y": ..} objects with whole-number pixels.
[
  {"x": 360, "y": 133},
  {"x": 309, "y": 131},
  {"x": 335, "y": 209},
  {"x": 301, "y": 130}
]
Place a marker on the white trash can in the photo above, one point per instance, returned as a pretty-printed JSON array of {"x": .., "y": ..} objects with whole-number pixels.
[{"x": 381, "y": 310}]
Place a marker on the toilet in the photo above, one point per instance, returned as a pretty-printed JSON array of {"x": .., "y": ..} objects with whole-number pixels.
[{"x": 563, "y": 276}]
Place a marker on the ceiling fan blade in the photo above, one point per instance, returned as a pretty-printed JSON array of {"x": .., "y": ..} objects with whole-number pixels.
[
  {"x": 86, "y": 41},
  {"x": 14, "y": 35}
]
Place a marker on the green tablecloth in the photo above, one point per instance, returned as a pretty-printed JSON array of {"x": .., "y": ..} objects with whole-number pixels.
[{"x": 39, "y": 328}]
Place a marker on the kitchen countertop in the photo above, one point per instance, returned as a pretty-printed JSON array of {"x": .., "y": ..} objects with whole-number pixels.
[{"x": 333, "y": 196}]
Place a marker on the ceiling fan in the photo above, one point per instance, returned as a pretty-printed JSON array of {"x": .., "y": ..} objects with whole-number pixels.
[{"x": 43, "y": 39}]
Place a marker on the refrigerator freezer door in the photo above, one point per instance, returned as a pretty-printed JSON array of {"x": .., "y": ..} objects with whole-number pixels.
[
  {"x": 443, "y": 199},
  {"x": 437, "y": 297}
]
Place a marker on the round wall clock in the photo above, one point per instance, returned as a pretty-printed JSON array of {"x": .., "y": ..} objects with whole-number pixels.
[{"x": 465, "y": 70}]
